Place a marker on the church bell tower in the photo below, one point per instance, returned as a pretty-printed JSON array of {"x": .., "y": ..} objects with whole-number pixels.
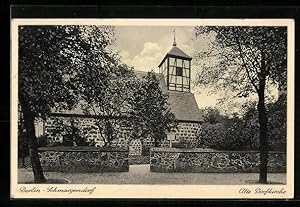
[{"x": 176, "y": 68}]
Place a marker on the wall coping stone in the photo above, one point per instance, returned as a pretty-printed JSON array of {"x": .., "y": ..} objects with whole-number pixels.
[
  {"x": 82, "y": 149},
  {"x": 206, "y": 150}
]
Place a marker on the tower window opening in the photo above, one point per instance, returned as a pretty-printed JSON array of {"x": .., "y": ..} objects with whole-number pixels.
[{"x": 179, "y": 71}]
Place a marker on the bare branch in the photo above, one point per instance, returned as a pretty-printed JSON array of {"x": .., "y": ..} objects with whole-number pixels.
[{"x": 244, "y": 63}]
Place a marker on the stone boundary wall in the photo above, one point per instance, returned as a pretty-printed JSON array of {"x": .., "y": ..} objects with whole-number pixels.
[
  {"x": 202, "y": 160},
  {"x": 138, "y": 159},
  {"x": 84, "y": 159}
]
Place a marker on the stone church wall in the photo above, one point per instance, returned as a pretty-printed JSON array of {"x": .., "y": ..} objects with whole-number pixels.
[
  {"x": 92, "y": 132},
  {"x": 186, "y": 133}
]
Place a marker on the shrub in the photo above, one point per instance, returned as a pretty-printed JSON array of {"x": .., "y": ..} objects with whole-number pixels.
[
  {"x": 277, "y": 124},
  {"x": 145, "y": 151},
  {"x": 242, "y": 133},
  {"x": 42, "y": 141},
  {"x": 70, "y": 131},
  {"x": 23, "y": 148}
]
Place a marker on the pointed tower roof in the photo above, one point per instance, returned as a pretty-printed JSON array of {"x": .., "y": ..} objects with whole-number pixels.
[{"x": 176, "y": 53}]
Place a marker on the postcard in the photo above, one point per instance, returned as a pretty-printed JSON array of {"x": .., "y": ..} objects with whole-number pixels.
[{"x": 152, "y": 108}]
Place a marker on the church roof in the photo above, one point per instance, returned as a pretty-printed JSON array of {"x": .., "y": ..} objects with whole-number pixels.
[
  {"x": 182, "y": 104},
  {"x": 176, "y": 52},
  {"x": 162, "y": 82}
]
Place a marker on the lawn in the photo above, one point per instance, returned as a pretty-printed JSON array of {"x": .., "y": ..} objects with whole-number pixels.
[{"x": 140, "y": 174}]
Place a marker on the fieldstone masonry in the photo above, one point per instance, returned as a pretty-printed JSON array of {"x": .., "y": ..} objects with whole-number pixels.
[
  {"x": 198, "y": 160},
  {"x": 83, "y": 159},
  {"x": 85, "y": 123},
  {"x": 187, "y": 132}
]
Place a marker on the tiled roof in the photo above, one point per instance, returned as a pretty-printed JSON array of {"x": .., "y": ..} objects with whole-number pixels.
[
  {"x": 178, "y": 52},
  {"x": 182, "y": 104},
  {"x": 175, "y": 51}
]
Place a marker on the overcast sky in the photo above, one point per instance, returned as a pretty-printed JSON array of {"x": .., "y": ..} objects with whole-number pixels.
[{"x": 143, "y": 47}]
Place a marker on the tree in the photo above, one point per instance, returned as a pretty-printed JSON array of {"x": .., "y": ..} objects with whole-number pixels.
[
  {"x": 49, "y": 57},
  {"x": 71, "y": 133},
  {"x": 150, "y": 112},
  {"x": 230, "y": 133},
  {"x": 241, "y": 132},
  {"x": 278, "y": 123},
  {"x": 22, "y": 141},
  {"x": 121, "y": 101},
  {"x": 212, "y": 115},
  {"x": 105, "y": 93},
  {"x": 247, "y": 60}
]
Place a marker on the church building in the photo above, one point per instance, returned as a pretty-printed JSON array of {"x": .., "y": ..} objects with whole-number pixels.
[{"x": 175, "y": 79}]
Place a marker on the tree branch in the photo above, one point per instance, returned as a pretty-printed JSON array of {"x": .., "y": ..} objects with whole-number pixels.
[{"x": 244, "y": 63}]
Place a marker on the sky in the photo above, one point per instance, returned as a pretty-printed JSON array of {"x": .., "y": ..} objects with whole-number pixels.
[{"x": 143, "y": 47}]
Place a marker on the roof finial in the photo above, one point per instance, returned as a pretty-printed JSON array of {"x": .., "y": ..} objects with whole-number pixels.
[{"x": 174, "y": 43}]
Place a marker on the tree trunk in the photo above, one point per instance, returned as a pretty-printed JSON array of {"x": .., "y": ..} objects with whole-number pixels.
[
  {"x": 263, "y": 133},
  {"x": 21, "y": 133},
  {"x": 23, "y": 147},
  {"x": 101, "y": 133},
  {"x": 33, "y": 147}
]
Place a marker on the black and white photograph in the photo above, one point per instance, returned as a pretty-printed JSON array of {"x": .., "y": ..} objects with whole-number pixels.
[{"x": 164, "y": 105}]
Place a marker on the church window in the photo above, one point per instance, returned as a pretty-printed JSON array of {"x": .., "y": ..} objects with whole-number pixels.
[{"x": 179, "y": 71}]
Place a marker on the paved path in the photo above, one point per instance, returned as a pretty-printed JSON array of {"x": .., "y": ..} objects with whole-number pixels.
[{"x": 140, "y": 174}]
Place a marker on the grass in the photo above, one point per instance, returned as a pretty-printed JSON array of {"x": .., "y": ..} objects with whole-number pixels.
[{"x": 140, "y": 174}]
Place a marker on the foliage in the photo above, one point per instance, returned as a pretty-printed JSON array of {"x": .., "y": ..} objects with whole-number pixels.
[
  {"x": 242, "y": 133},
  {"x": 44, "y": 67},
  {"x": 240, "y": 55},
  {"x": 49, "y": 57},
  {"x": 150, "y": 111},
  {"x": 121, "y": 101},
  {"x": 70, "y": 132},
  {"x": 249, "y": 59},
  {"x": 212, "y": 115},
  {"x": 212, "y": 136},
  {"x": 23, "y": 150},
  {"x": 278, "y": 123},
  {"x": 145, "y": 150},
  {"x": 105, "y": 94},
  {"x": 233, "y": 134},
  {"x": 43, "y": 141}
]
